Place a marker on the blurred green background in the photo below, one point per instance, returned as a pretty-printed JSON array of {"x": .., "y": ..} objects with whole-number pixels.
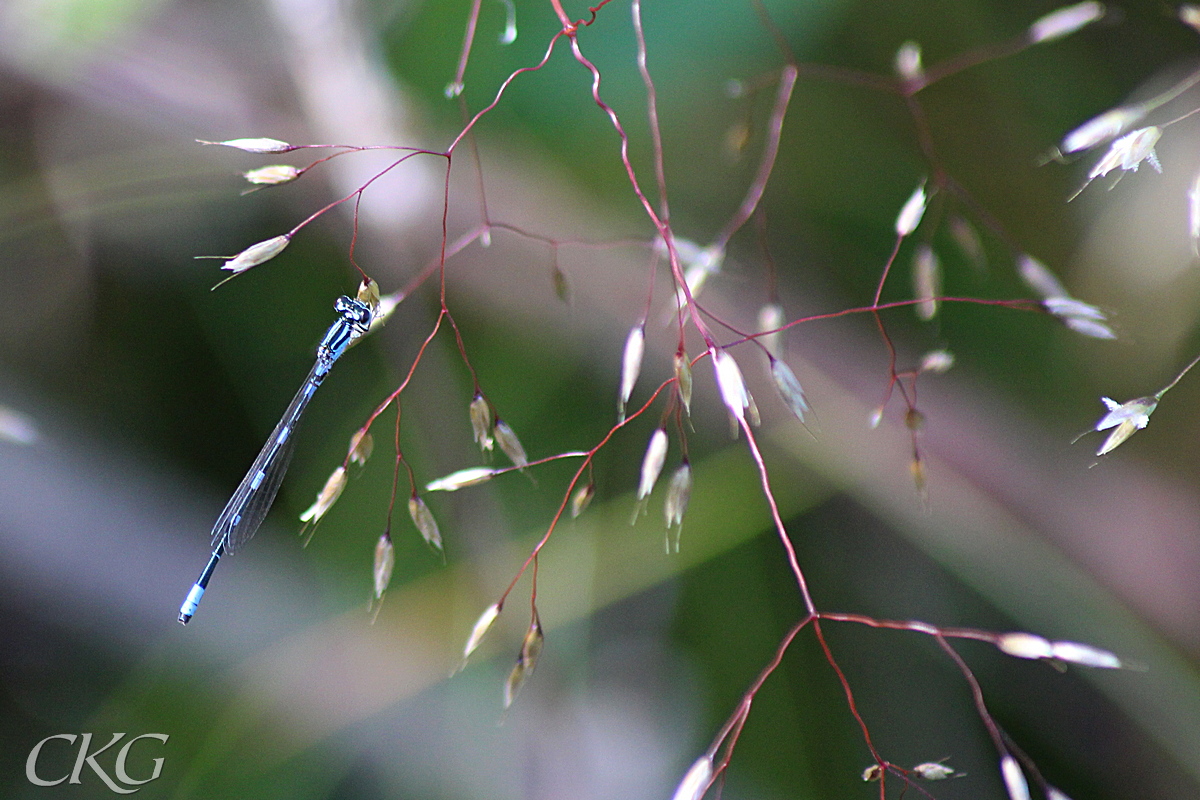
[{"x": 149, "y": 396}]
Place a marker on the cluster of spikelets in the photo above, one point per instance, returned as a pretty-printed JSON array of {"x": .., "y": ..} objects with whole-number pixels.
[
  {"x": 702, "y": 773},
  {"x": 1127, "y": 149}
]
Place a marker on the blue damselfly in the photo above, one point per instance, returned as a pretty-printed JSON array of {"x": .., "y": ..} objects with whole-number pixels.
[{"x": 252, "y": 499}]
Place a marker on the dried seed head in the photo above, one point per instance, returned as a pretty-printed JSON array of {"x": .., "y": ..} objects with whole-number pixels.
[
  {"x": 789, "y": 388},
  {"x": 531, "y": 649},
  {"x": 937, "y": 361},
  {"x": 368, "y": 293},
  {"x": 1064, "y": 21},
  {"x": 910, "y": 214},
  {"x": 1136, "y": 411},
  {"x": 562, "y": 289},
  {"x": 1084, "y": 655},
  {"x": 461, "y": 479},
  {"x": 1127, "y": 418},
  {"x": 652, "y": 462},
  {"x": 1024, "y": 645},
  {"x": 770, "y": 318},
  {"x": 683, "y": 380},
  {"x": 385, "y": 559},
  {"x": 1014, "y": 779},
  {"x": 697, "y": 780},
  {"x": 1079, "y": 316},
  {"x": 908, "y": 64},
  {"x": 875, "y": 418},
  {"x": 916, "y": 468},
  {"x": 582, "y": 499},
  {"x": 427, "y": 526},
  {"x": 510, "y": 23},
  {"x": 272, "y": 175},
  {"x": 1088, "y": 327},
  {"x": 934, "y": 771},
  {"x": 516, "y": 678},
  {"x": 255, "y": 254},
  {"x": 1129, "y": 152},
  {"x": 1067, "y": 307},
  {"x": 967, "y": 239},
  {"x": 531, "y": 645},
  {"x": 731, "y": 384},
  {"x": 1039, "y": 277},
  {"x": 927, "y": 281},
  {"x": 914, "y": 420},
  {"x": 1028, "y": 645},
  {"x": 481, "y": 422},
  {"x": 751, "y": 415},
  {"x": 679, "y": 491},
  {"x": 482, "y": 626},
  {"x": 631, "y": 364},
  {"x": 255, "y": 145},
  {"x": 737, "y": 136},
  {"x": 872, "y": 773},
  {"x": 327, "y": 497},
  {"x": 362, "y": 443},
  {"x": 453, "y": 89},
  {"x": 509, "y": 443},
  {"x": 1101, "y": 128}
]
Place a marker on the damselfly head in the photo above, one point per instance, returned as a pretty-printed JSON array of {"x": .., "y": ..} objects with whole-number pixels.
[{"x": 354, "y": 311}]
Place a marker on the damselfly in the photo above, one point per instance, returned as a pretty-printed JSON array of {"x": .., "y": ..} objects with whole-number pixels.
[{"x": 252, "y": 499}]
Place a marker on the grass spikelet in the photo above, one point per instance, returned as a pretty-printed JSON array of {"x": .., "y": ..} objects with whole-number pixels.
[
  {"x": 461, "y": 479},
  {"x": 531, "y": 650},
  {"x": 385, "y": 559},
  {"x": 731, "y": 384},
  {"x": 255, "y": 145},
  {"x": 328, "y": 495},
  {"x": 927, "y": 281},
  {"x": 253, "y": 255},
  {"x": 911, "y": 212},
  {"x": 697, "y": 780},
  {"x": 789, "y": 388},
  {"x": 272, "y": 175},
  {"x": 582, "y": 499},
  {"x": 482, "y": 626},
  {"x": 509, "y": 443},
  {"x": 427, "y": 526},
  {"x": 683, "y": 380},
  {"x": 1014, "y": 779},
  {"x": 679, "y": 492},
  {"x": 1064, "y": 21},
  {"x": 362, "y": 444},
  {"x": 481, "y": 422},
  {"x": 631, "y": 365},
  {"x": 652, "y": 462}
]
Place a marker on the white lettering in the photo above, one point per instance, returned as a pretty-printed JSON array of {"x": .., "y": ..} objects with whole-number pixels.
[
  {"x": 90, "y": 760},
  {"x": 31, "y": 762},
  {"x": 123, "y": 776}
]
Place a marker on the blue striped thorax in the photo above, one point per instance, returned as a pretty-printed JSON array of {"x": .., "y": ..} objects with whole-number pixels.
[{"x": 355, "y": 319}]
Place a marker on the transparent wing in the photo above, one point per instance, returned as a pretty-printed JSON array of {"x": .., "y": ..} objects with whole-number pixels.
[{"x": 252, "y": 499}]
